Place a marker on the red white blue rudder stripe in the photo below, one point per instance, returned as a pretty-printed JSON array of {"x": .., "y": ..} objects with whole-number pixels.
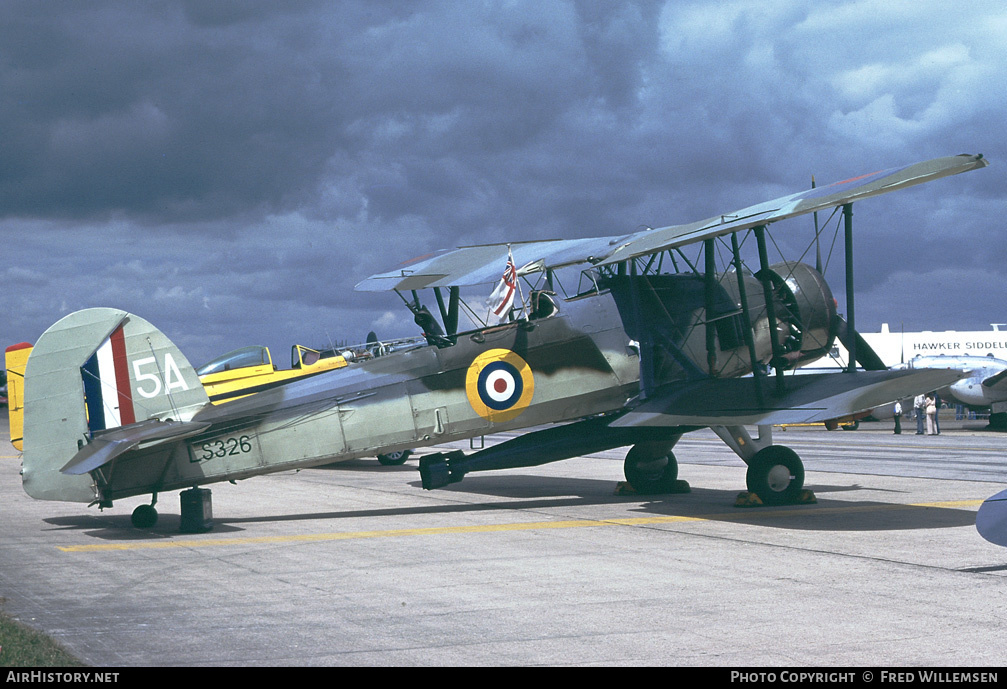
[{"x": 108, "y": 393}]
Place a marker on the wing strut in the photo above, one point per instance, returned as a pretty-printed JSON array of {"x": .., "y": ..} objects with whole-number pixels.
[
  {"x": 746, "y": 318},
  {"x": 710, "y": 287},
  {"x": 767, "y": 287},
  {"x": 646, "y": 340},
  {"x": 449, "y": 314},
  {"x": 848, "y": 231}
]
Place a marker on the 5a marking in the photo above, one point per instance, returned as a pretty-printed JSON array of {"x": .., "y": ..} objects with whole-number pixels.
[
  {"x": 172, "y": 376},
  {"x": 219, "y": 448}
]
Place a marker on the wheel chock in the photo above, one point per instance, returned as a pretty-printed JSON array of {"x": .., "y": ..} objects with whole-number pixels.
[
  {"x": 747, "y": 499},
  {"x": 625, "y": 488}
]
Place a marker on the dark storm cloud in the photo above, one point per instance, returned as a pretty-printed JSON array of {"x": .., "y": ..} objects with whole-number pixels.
[
  {"x": 172, "y": 111},
  {"x": 229, "y": 170},
  {"x": 156, "y": 111}
]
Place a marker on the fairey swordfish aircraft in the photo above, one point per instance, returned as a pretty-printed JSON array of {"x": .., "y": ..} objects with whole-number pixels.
[{"x": 650, "y": 346}]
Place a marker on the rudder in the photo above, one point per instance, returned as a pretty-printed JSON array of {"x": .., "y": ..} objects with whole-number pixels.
[{"x": 91, "y": 371}]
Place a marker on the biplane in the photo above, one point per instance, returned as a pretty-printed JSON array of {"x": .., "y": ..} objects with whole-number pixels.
[{"x": 649, "y": 346}]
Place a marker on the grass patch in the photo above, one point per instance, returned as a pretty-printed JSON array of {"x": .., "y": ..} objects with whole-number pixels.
[{"x": 22, "y": 646}]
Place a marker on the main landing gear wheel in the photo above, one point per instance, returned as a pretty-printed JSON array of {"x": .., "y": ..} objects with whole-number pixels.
[
  {"x": 776, "y": 475},
  {"x": 650, "y": 475},
  {"x": 144, "y": 517},
  {"x": 393, "y": 459}
]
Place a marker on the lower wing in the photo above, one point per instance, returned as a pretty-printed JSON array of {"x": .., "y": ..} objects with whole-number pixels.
[{"x": 806, "y": 398}]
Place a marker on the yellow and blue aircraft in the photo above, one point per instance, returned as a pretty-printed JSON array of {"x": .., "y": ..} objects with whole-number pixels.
[{"x": 249, "y": 370}]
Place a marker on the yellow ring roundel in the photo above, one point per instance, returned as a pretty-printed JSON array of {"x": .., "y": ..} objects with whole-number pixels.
[{"x": 499, "y": 385}]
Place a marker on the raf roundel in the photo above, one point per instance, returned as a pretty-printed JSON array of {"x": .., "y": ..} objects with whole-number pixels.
[{"x": 499, "y": 385}]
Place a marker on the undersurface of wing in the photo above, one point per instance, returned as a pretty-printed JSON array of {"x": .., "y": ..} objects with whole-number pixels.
[
  {"x": 807, "y": 399},
  {"x": 476, "y": 265},
  {"x": 473, "y": 265},
  {"x": 801, "y": 203}
]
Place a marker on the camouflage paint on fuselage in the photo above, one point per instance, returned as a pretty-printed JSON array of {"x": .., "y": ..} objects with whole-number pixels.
[{"x": 580, "y": 363}]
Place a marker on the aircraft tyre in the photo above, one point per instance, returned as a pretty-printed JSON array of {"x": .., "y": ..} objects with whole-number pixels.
[
  {"x": 776, "y": 475},
  {"x": 649, "y": 475},
  {"x": 144, "y": 517},
  {"x": 393, "y": 459}
]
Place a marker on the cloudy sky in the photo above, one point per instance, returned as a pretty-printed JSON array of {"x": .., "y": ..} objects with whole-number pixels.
[{"x": 229, "y": 169}]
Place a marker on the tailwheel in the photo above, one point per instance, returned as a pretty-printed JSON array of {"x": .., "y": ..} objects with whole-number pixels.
[
  {"x": 649, "y": 475},
  {"x": 144, "y": 517},
  {"x": 776, "y": 475}
]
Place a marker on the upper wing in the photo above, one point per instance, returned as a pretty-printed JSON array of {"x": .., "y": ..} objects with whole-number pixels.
[
  {"x": 475, "y": 265},
  {"x": 816, "y": 199},
  {"x": 483, "y": 264}
]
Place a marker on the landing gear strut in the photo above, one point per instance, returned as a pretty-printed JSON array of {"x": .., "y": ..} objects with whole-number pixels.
[{"x": 775, "y": 473}]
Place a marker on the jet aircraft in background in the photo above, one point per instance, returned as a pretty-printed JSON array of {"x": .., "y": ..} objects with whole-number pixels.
[
  {"x": 650, "y": 345},
  {"x": 981, "y": 354}
]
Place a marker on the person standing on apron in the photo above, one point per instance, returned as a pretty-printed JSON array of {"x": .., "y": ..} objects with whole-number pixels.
[{"x": 931, "y": 415}]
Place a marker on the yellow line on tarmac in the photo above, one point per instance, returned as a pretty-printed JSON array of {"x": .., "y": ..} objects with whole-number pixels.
[
  {"x": 951, "y": 504},
  {"x": 520, "y": 526},
  {"x": 306, "y": 538}
]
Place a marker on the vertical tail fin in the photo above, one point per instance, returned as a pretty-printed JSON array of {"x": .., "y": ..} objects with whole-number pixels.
[
  {"x": 94, "y": 370},
  {"x": 16, "y": 358}
]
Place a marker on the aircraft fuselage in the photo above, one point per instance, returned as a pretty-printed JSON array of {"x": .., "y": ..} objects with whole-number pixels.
[{"x": 576, "y": 364}]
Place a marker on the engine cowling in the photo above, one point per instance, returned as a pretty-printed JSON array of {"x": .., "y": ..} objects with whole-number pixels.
[
  {"x": 687, "y": 327},
  {"x": 806, "y": 316}
]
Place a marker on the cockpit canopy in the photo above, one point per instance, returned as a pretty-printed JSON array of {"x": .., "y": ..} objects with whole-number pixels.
[{"x": 239, "y": 358}]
